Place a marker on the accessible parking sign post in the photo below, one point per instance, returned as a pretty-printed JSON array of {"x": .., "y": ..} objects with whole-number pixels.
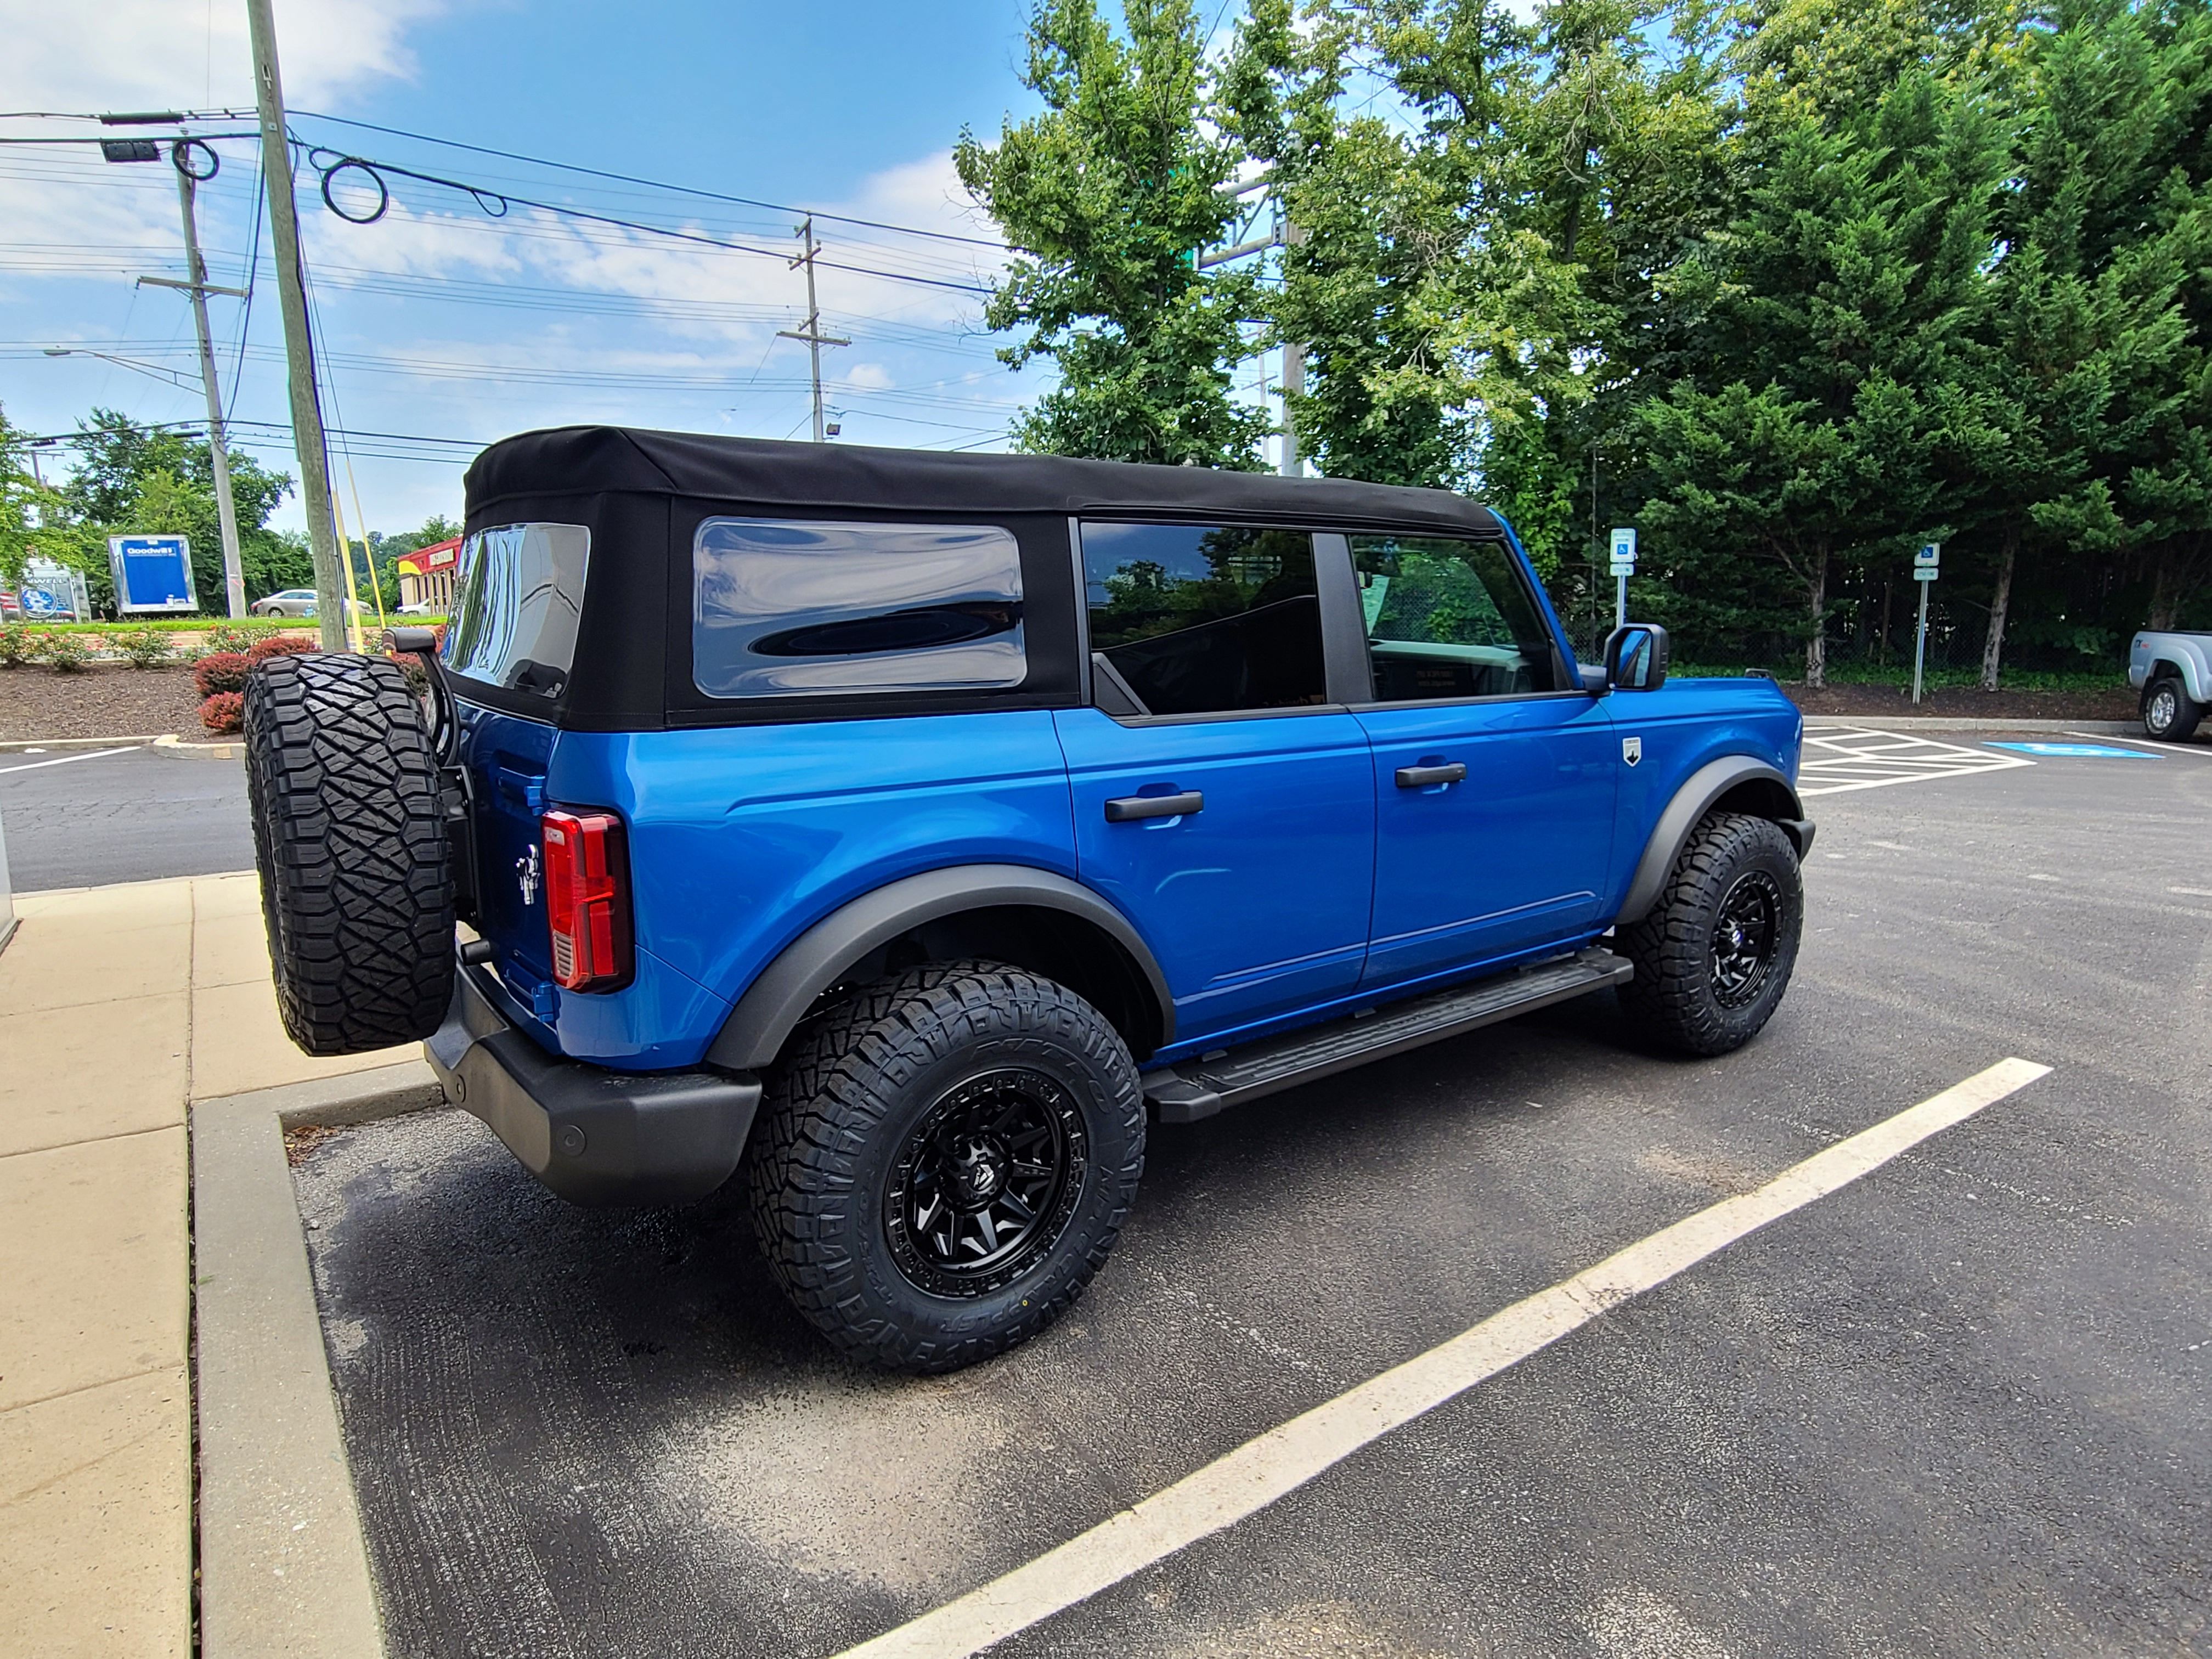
[
  {"x": 1623, "y": 567},
  {"x": 1924, "y": 563}
]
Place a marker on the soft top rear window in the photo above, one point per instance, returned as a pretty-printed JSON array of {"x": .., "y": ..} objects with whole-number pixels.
[
  {"x": 518, "y": 598},
  {"x": 784, "y": 605}
]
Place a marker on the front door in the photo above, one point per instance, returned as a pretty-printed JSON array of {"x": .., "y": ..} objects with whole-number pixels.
[
  {"x": 1494, "y": 785},
  {"x": 1218, "y": 799}
]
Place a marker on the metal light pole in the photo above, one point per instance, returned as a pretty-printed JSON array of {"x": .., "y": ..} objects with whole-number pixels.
[
  {"x": 234, "y": 572},
  {"x": 1286, "y": 233},
  {"x": 307, "y": 440}
]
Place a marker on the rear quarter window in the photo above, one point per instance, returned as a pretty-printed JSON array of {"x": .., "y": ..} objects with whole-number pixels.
[{"x": 782, "y": 606}]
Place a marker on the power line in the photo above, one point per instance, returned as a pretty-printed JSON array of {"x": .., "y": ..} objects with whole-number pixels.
[
  {"x": 656, "y": 184},
  {"x": 485, "y": 198}
]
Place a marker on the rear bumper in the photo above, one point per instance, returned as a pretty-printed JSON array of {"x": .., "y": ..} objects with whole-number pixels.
[{"x": 592, "y": 1135}]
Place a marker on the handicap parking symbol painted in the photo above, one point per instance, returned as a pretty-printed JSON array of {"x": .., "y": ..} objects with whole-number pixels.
[{"x": 2076, "y": 750}]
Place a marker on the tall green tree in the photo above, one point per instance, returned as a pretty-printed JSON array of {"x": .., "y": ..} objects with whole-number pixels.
[
  {"x": 1106, "y": 196},
  {"x": 132, "y": 478}
]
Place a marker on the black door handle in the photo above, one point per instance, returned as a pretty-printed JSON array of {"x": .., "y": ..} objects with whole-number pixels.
[
  {"x": 1126, "y": 807},
  {"x": 1421, "y": 777}
]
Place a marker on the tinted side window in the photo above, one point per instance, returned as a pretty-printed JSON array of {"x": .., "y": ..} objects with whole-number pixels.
[
  {"x": 1449, "y": 618},
  {"x": 518, "y": 599},
  {"x": 783, "y": 605},
  {"x": 1205, "y": 619}
]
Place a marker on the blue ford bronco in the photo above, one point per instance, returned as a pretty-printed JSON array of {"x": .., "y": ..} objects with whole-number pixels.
[{"x": 905, "y": 833}]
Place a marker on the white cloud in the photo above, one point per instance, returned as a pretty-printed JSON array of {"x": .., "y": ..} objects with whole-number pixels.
[{"x": 162, "y": 54}]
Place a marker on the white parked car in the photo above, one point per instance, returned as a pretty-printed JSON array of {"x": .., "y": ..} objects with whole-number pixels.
[{"x": 291, "y": 602}]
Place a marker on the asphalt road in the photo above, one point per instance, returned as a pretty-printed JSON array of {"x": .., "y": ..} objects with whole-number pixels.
[
  {"x": 83, "y": 818},
  {"x": 1958, "y": 1408}
]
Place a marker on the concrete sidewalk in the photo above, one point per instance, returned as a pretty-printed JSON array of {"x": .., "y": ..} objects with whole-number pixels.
[{"x": 120, "y": 1006}]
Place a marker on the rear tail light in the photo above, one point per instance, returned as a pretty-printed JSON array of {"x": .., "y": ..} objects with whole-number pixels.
[{"x": 587, "y": 899}]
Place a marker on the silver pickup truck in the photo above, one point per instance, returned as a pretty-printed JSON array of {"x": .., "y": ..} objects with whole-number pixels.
[{"x": 2173, "y": 671}]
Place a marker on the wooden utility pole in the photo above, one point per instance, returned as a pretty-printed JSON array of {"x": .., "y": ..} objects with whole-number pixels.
[
  {"x": 812, "y": 334},
  {"x": 234, "y": 572},
  {"x": 307, "y": 441}
]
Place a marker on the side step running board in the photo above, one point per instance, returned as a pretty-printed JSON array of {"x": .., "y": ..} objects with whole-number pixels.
[{"x": 1193, "y": 1088}]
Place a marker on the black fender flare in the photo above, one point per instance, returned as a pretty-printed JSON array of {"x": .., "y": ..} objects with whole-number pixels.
[
  {"x": 780, "y": 996},
  {"x": 1691, "y": 802}
]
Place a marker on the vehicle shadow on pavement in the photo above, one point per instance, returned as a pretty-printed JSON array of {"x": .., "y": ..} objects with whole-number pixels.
[{"x": 593, "y": 1431}]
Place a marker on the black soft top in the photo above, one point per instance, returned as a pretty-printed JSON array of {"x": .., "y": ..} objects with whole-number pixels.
[{"x": 604, "y": 459}]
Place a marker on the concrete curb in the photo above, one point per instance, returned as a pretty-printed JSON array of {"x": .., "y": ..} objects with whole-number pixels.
[
  {"x": 1941, "y": 723},
  {"x": 232, "y": 750},
  {"x": 283, "y": 1567}
]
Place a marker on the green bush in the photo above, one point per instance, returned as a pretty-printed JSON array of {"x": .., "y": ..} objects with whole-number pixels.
[
  {"x": 144, "y": 647},
  {"x": 65, "y": 653},
  {"x": 234, "y": 636},
  {"x": 16, "y": 645}
]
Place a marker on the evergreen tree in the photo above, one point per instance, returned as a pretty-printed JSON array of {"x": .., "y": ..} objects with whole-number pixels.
[{"x": 1833, "y": 332}]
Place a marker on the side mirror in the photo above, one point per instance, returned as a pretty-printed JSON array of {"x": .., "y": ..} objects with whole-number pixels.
[{"x": 1636, "y": 658}]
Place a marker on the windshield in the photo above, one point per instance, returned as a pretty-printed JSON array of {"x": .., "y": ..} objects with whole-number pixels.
[{"x": 517, "y": 602}]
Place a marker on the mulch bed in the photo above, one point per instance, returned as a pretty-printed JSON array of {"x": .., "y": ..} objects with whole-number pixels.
[
  {"x": 105, "y": 700},
  {"x": 2118, "y": 704}
]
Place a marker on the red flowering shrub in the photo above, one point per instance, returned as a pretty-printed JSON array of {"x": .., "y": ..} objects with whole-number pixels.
[
  {"x": 223, "y": 670},
  {"x": 223, "y": 713},
  {"x": 281, "y": 645}
]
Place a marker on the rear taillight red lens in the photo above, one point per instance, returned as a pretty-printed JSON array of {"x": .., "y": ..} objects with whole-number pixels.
[{"x": 587, "y": 899}]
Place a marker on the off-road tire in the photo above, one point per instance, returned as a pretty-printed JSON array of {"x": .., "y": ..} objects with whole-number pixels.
[
  {"x": 1675, "y": 999},
  {"x": 862, "y": 1078},
  {"x": 356, "y": 890},
  {"x": 2170, "y": 720}
]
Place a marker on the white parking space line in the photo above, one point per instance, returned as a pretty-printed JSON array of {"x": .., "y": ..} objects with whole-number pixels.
[
  {"x": 63, "y": 760},
  {"x": 1837, "y": 759},
  {"x": 1280, "y": 1461}
]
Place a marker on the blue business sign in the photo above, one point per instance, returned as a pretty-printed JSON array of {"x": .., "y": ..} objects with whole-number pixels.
[{"x": 152, "y": 572}]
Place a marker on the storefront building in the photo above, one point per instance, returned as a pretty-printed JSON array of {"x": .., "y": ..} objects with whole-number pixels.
[{"x": 426, "y": 577}]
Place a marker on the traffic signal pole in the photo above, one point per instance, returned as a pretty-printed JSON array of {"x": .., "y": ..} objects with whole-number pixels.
[{"x": 307, "y": 440}]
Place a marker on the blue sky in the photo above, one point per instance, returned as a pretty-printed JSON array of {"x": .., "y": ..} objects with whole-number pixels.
[{"x": 443, "y": 322}]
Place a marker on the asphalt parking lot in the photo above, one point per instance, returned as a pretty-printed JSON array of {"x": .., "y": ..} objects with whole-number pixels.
[
  {"x": 1958, "y": 1406},
  {"x": 84, "y": 818}
]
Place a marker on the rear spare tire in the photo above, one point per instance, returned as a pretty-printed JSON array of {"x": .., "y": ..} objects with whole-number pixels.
[{"x": 356, "y": 888}]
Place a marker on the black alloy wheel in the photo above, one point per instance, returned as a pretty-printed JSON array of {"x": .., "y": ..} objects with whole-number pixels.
[
  {"x": 1746, "y": 929},
  {"x": 942, "y": 1159},
  {"x": 1714, "y": 954},
  {"x": 986, "y": 1182}
]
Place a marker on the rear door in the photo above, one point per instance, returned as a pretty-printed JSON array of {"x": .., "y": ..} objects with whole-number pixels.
[
  {"x": 1494, "y": 783},
  {"x": 1220, "y": 799}
]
